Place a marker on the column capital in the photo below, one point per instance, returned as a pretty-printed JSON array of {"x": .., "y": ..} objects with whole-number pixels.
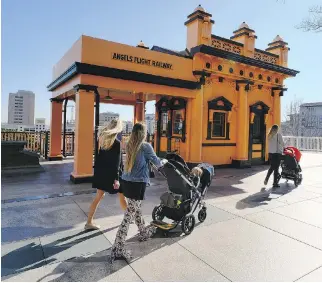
[
  {"x": 57, "y": 100},
  {"x": 246, "y": 83},
  {"x": 86, "y": 88},
  {"x": 279, "y": 91},
  {"x": 201, "y": 75}
]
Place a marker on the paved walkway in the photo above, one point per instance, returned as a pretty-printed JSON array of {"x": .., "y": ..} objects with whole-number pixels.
[{"x": 250, "y": 234}]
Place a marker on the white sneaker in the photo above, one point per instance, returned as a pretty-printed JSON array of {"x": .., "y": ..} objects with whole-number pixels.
[{"x": 91, "y": 227}]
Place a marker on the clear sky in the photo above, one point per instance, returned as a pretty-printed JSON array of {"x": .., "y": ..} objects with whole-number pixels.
[{"x": 37, "y": 33}]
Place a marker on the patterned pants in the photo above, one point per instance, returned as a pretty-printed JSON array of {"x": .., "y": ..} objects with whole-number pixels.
[{"x": 133, "y": 210}]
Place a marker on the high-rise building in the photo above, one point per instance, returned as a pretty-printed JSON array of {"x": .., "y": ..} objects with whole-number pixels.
[
  {"x": 150, "y": 123},
  {"x": 107, "y": 116},
  {"x": 21, "y": 108}
]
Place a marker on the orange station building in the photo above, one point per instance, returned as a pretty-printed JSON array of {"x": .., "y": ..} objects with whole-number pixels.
[{"x": 215, "y": 101}]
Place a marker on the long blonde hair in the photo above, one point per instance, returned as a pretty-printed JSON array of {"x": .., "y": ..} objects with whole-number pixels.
[
  {"x": 196, "y": 171},
  {"x": 273, "y": 131},
  {"x": 134, "y": 144},
  {"x": 108, "y": 133}
]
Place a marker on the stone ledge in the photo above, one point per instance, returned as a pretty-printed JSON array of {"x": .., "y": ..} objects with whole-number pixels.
[{"x": 21, "y": 170}]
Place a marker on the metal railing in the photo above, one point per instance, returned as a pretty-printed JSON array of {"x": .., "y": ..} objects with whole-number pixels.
[
  {"x": 304, "y": 143},
  {"x": 39, "y": 142}
]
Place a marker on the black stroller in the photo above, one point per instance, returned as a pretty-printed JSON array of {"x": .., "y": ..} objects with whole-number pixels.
[
  {"x": 183, "y": 198},
  {"x": 291, "y": 169}
]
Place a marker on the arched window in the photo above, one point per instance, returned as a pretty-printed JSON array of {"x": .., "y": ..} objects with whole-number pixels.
[{"x": 219, "y": 111}]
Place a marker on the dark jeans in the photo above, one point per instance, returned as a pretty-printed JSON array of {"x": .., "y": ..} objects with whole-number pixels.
[{"x": 275, "y": 161}]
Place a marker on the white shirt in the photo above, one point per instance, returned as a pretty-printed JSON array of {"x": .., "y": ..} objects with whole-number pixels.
[{"x": 276, "y": 144}]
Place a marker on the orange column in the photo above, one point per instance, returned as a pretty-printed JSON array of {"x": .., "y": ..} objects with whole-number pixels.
[
  {"x": 195, "y": 121},
  {"x": 241, "y": 159},
  {"x": 134, "y": 112},
  {"x": 156, "y": 117},
  {"x": 277, "y": 107},
  {"x": 139, "y": 112},
  {"x": 139, "y": 109},
  {"x": 55, "y": 131},
  {"x": 84, "y": 137}
]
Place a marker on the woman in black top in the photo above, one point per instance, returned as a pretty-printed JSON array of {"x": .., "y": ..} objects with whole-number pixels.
[{"x": 107, "y": 168}]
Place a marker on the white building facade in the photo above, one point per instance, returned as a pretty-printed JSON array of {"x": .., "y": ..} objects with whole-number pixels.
[
  {"x": 311, "y": 119},
  {"x": 23, "y": 128},
  {"x": 150, "y": 123},
  {"x": 40, "y": 125},
  {"x": 107, "y": 117},
  {"x": 127, "y": 127},
  {"x": 21, "y": 108}
]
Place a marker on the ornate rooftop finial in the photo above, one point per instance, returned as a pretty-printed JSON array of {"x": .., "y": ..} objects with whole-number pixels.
[
  {"x": 277, "y": 38},
  {"x": 243, "y": 25},
  {"x": 142, "y": 45},
  {"x": 199, "y": 8}
]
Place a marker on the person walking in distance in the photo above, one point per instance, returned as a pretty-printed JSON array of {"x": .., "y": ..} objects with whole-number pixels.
[
  {"x": 275, "y": 149},
  {"x": 134, "y": 180},
  {"x": 107, "y": 168}
]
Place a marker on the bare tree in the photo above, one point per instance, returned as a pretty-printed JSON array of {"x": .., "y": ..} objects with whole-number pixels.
[
  {"x": 292, "y": 124},
  {"x": 314, "y": 21}
]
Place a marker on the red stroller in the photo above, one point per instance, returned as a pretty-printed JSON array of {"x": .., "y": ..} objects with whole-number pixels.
[{"x": 291, "y": 169}]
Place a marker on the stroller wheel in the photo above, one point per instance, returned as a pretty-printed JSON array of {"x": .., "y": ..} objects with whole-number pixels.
[
  {"x": 300, "y": 179},
  {"x": 296, "y": 182},
  {"x": 157, "y": 213},
  {"x": 188, "y": 224},
  {"x": 202, "y": 215}
]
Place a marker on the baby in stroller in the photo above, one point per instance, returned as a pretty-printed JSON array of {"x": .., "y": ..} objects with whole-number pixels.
[
  {"x": 203, "y": 175},
  {"x": 186, "y": 193},
  {"x": 291, "y": 169}
]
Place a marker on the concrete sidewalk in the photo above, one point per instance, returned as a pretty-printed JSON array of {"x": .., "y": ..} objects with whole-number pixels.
[{"x": 250, "y": 234}]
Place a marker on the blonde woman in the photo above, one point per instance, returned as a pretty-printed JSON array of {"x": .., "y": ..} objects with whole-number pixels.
[
  {"x": 275, "y": 150},
  {"x": 134, "y": 180},
  {"x": 107, "y": 168}
]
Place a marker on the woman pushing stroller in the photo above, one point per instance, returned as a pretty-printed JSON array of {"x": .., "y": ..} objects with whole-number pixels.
[
  {"x": 275, "y": 149},
  {"x": 134, "y": 180}
]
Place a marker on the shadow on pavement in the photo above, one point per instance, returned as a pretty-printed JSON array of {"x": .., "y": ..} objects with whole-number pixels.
[
  {"x": 264, "y": 196},
  {"x": 14, "y": 234},
  {"x": 97, "y": 267},
  {"x": 84, "y": 268},
  {"x": 32, "y": 255},
  {"x": 88, "y": 268}
]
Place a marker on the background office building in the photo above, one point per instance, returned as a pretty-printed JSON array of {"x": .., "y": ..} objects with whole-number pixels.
[
  {"x": 40, "y": 125},
  {"x": 107, "y": 116},
  {"x": 127, "y": 127},
  {"x": 311, "y": 119},
  {"x": 150, "y": 123},
  {"x": 21, "y": 108}
]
